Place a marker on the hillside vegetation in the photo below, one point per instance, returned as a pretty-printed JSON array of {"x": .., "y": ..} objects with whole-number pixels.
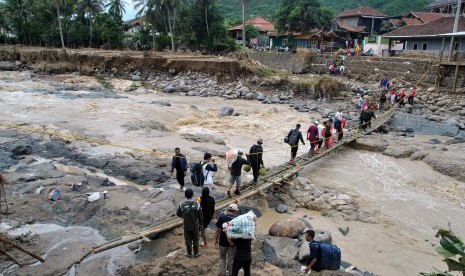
[{"x": 231, "y": 9}]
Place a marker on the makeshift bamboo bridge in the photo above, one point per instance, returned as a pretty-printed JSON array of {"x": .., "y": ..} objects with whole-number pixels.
[{"x": 276, "y": 176}]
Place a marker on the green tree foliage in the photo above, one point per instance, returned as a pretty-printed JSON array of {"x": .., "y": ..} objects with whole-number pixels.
[
  {"x": 452, "y": 249},
  {"x": 251, "y": 31},
  {"x": 302, "y": 15},
  {"x": 108, "y": 28},
  {"x": 231, "y": 9}
]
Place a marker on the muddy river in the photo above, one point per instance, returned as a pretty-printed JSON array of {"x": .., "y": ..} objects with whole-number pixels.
[{"x": 408, "y": 197}]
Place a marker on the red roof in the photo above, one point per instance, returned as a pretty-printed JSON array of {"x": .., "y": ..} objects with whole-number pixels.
[
  {"x": 361, "y": 11},
  {"x": 258, "y": 22},
  {"x": 441, "y": 26},
  {"x": 412, "y": 21},
  {"x": 354, "y": 29},
  {"x": 427, "y": 17}
]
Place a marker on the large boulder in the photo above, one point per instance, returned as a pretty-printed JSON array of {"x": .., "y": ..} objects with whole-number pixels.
[
  {"x": 287, "y": 228},
  {"x": 280, "y": 251},
  {"x": 170, "y": 89},
  {"x": 451, "y": 162},
  {"x": 226, "y": 111}
]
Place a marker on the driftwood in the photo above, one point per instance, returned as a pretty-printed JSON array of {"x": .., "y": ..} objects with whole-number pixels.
[
  {"x": 11, "y": 257},
  {"x": 7, "y": 241}
]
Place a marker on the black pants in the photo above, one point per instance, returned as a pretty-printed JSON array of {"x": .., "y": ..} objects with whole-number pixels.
[
  {"x": 320, "y": 143},
  {"x": 191, "y": 239},
  {"x": 294, "y": 150},
  {"x": 255, "y": 170},
  {"x": 237, "y": 265},
  {"x": 340, "y": 134},
  {"x": 180, "y": 178},
  {"x": 410, "y": 100}
]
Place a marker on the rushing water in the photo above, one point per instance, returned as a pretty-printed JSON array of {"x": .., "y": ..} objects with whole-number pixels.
[{"x": 409, "y": 192}]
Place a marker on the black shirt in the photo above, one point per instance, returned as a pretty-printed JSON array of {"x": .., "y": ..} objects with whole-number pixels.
[
  {"x": 255, "y": 155},
  {"x": 219, "y": 223},
  {"x": 236, "y": 166},
  {"x": 243, "y": 249},
  {"x": 314, "y": 252}
]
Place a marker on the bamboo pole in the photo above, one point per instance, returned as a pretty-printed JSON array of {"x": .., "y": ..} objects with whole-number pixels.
[
  {"x": 11, "y": 257},
  {"x": 7, "y": 241},
  {"x": 271, "y": 180}
]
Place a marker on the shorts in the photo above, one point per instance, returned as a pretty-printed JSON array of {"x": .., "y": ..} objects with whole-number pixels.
[{"x": 235, "y": 179}]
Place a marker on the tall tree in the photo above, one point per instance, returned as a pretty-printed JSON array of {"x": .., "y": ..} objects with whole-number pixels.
[
  {"x": 57, "y": 7},
  {"x": 89, "y": 9},
  {"x": 148, "y": 10},
  {"x": 244, "y": 5},
  {"x": 302, "y": 15},
  {"x": 116, "y": 7}
]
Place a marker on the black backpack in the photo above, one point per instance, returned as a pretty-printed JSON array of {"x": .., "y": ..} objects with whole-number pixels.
[
  {"x": 294, "y": 138},
  {"x": 189, "y": 215},
  {"x": 328, "y": 131},
  {"x": 197, "y": 174}
]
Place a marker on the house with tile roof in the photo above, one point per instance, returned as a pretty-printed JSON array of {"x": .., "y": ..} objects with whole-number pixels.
[
  {"x": 265, "y": 27},
  {"x": 432, "y": 37},
  {"x": 445, "y": 6},
  {"x": 359, "y": 21}
]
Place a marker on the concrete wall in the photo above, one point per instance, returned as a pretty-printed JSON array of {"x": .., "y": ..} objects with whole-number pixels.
[{"x": 434, "y": 45}]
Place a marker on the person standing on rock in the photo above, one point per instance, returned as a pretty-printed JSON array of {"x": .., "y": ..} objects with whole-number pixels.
[
  {"x": 208, "y": 168},
  {"x": 236, "y": 171},
  {"x": 384, "y": 84},
  {"x": 293, "y": 140},
  {"x": 312, "y": 136},
  {"x": 255, "y": 158},
  {"x": 191, "y": 213},
  {"x": 226, "y": 250},
  {"x": 314, "y": 265},
  {"x": 179, "y": 162},
  {"x": 208, "y": 211}
]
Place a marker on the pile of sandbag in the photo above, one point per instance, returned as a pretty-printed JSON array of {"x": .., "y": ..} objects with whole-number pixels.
[{"x": 241, "y": 227}]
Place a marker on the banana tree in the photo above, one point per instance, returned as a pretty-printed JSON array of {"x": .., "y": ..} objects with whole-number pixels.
[{"x": 452, "y": 249}]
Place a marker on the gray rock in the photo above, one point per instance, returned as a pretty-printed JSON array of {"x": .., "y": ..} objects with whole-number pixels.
[
  {"x": 400, "y": 152},
  {"x": 170, "y": 89},
  {"x": 7, "y": 65},
  {"x": 226, "y": 111},
  {"x": 260, "y": 96},
  {"x": 423, "y": 126},
  {"x": 344, "y": 230},
  {"x": 275, "y": 80},
  {"x": 249, "y": 96},
  {"x": 279, "y": 251},
  {"x": 287, "y": 228},
  {"x": 442, "y": 103},
  {"x": 136, "y": 78},
  {"x": 161, "y": 103},
  {"x": 304, "y": 251},
  {"x": 453, "y": 122},
  {"x": 281, "y": 208},
  {"x": 134, "y": 245},
  {"x": 323, "y": 236}
]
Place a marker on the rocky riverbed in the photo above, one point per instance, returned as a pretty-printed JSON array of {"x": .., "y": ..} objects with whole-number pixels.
[{"x": 130, "y": 128}]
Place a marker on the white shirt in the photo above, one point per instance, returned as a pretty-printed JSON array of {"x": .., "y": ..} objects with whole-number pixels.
[
  {"x": 339, "y": 115},
  {"x": 320, "y": 130}
]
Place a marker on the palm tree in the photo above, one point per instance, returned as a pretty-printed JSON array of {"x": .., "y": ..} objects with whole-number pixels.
[
  {"x": 89, "y": 8},
  {"x": 148, "y": 10},
  {"x": 117, "y": 6},
  {"x": 170, "y": 7},
  {"x": 244, "y": 4},
  {"x": 57, "y": 7}
]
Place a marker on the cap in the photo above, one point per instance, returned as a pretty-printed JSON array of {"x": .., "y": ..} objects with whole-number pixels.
[
  {"x": 233, "y": 207},
  {"x": 260, "y": 141},
  {"x": 316, "y": 122},
  {"x": 240, "y": 152}
]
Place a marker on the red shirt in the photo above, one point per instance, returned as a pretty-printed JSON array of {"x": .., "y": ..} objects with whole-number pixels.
[{"x": 312, "y": 133}]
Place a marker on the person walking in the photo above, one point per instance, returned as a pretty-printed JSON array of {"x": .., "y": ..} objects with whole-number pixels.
[
  {"x": 208, "y": 168},
  {"x": 255, "y": 158},
  {"x": 382, "y": 101},
  {"x": 179, "y": 162},
  {"x": 293, "y": 139},
  {"x": 236, "y": 171},
  {"x": 242, "y": 256},
  {"x": 314, "y": 264},
  {"x": 328, "y": 134},
  {"x": 312, "y": 136},
  {"x": 367, "y": 115},
  {"x": 191, "y": 213},
  {"x": 411, "y": 95},
  {"x": 338, "y": 127},
  {"x": 226, "y": 250},
  {"x": 384, "y": 83},
  {"x": 208, "y": 211},
  {"x": 321, "y": 136}
]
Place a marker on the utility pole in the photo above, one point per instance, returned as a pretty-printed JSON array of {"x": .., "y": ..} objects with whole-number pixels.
[
  {"x": 373, "y": 21},
  {"x": 456, "y": 23},
  {"x": 244, "y": 4}
]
